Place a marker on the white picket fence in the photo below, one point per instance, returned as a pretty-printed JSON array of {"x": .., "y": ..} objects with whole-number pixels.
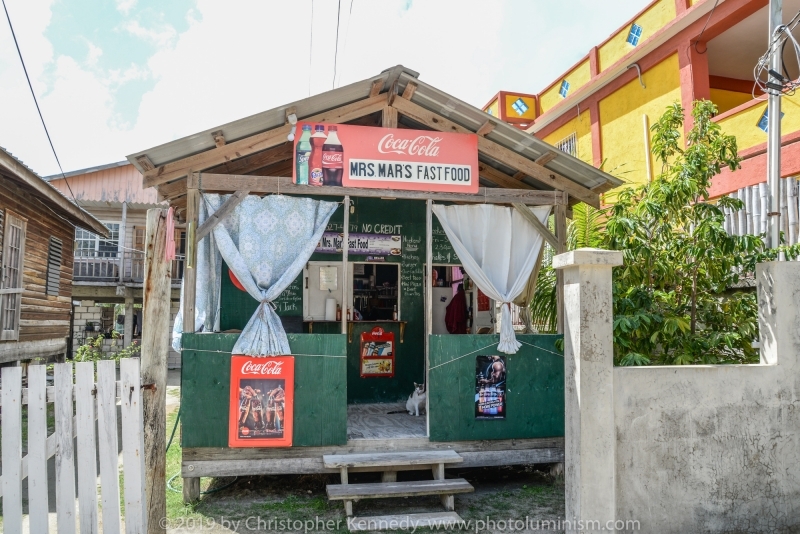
[{"x": 92, "y": 402}]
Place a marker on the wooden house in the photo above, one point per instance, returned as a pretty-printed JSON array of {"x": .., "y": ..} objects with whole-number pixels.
[
  {"x": 110, "y": 270},
  {"x": 339, "y": 409},
  {"x": 38, "y": 227}
]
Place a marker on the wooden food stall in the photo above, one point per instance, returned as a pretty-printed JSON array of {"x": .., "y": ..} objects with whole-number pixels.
[{"x": 360, "y": 319}]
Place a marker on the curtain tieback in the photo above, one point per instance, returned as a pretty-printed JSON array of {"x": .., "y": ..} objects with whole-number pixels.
[{"x": 268, "y": 302}]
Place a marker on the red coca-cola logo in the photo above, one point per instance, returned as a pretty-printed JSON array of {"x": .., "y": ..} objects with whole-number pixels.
[
  {"x": 422, "y": 145},
  {"x": 270, "y": 367},
  {"x": 332, "y": 159}
]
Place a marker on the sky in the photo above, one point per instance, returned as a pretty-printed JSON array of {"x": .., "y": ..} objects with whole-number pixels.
[{"x": 114, "y": 77}]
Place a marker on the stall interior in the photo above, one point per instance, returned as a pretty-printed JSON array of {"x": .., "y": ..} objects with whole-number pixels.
[{"x": 375, "y": 291}]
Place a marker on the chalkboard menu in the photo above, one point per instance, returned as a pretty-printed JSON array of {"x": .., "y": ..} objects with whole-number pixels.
[
  {"x": 411, "y": 267},
  {"x": 290, "y": 302},
  {"x": 442, "y": 249}
]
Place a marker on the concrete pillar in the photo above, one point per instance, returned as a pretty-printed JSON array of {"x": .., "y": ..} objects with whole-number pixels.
[
  {"x": 127, "y": 336},
  {"x": 778, "y": 284},
  {"x": 589, "y": 439}
]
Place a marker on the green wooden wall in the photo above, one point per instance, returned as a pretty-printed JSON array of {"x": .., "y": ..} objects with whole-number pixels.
[
  {"x": 320, "y": 410},
  {"x": 534, "y": 397},
  {"x": 408, "y": 367}
]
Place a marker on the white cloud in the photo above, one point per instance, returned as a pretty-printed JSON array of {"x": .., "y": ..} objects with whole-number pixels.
[
  {"x": 241, "y": 57},
  {"x": 125, "y": 6},
  {"x": 163, "y": 36}
]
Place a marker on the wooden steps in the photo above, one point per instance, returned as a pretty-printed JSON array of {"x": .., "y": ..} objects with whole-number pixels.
[
  {"x": 405, "y": 522},
  {"x": 391, "y": 459},
  {"x": 389, "y": 464},
  {"x": 383, "y": 490}
]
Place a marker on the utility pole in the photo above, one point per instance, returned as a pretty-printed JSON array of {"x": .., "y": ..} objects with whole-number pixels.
[{"x": 774, "y": 127}]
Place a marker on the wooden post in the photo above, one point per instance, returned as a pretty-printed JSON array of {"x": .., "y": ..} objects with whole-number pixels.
[
  {"x": 346, "y": 301},
  {"x": 560, "y": 216},
  {"x": 191, "y": 486},
  {"x": 127, "y": 334},
  {"x": 155, "y": 346},
  {"x": 121, "y": 243},
  {"x": 427, "y": 279}
]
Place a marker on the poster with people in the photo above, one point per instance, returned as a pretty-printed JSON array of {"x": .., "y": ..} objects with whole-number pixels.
[
  {"x": 490, "y": 387},
  {"x": 262, "y": 401}
]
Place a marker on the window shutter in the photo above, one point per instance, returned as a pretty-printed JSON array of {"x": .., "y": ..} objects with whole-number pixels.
[
  {"x": 11, "y": 282},
  {"x": 54, "y": 266}
]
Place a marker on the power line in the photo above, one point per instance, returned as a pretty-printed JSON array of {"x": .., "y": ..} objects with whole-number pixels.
[
  {"x": 347, "y": 30},
  {"x": 310, "y": 46},
  {"x": 336, "y": 54},
  {"x": 35, "y": 101}
]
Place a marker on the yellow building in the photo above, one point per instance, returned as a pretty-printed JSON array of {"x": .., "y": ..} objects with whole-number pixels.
[{"x": 601, "y": 108}]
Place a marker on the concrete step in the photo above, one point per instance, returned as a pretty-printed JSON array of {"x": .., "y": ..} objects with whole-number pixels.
[
  {"x": 392, "y": 459},
  {"x": 382, "y": 490},
  {"x": 405, "y": 522}
]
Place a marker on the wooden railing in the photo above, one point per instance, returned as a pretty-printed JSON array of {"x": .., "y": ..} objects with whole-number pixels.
[{"x": 93, "y": 268}]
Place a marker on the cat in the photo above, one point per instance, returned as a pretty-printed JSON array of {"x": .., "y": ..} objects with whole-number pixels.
[{"x": 416, "y": 399}]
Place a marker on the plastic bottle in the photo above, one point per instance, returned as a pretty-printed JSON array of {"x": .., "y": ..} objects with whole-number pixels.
[
  {"x": 315, "y": 161},
  {"x": 332, "y": 158},
  {"x": 394, "y": 313},
  {"x": 303, "y": 153}
]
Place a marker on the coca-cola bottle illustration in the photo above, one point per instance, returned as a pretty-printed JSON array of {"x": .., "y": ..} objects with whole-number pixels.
[
  {"x": 303, "y": 155},
  {"x": 315, "y": 161},
  {"x": 332, "y": 158}
]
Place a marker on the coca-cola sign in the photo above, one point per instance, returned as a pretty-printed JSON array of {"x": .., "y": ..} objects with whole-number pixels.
[
  {"x": 268, "y": 367},
  {"x": 385, "y": 158},
  {"x": 261, "y": 402},
  {"x": 421, "y": 145}
]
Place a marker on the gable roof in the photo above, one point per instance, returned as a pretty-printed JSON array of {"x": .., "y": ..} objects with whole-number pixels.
[
  {"x": 172, "y": 160},
  {"x": 14, "y": 169}
]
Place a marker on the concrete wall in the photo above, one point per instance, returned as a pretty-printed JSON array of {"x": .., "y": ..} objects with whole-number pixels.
[
  {"x": 695, "y": 449},
  {"x": 92, "y": 311}
]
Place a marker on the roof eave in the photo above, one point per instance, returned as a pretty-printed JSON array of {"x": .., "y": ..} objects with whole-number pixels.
[{"x": 47, "y": 193}]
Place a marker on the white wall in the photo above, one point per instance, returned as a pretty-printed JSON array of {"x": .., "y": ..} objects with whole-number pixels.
[{"x": 697, "y": 448}]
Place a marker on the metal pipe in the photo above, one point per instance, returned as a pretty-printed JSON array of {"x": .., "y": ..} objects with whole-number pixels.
[
  {"x": 647, "y": 161},
  {"x": 774, "y": 128},
  {"x": 346, "y": 300}
]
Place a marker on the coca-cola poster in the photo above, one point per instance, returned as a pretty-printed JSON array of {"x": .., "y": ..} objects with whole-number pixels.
[
  {"x": 490, "y": 387},
  {"x": 386, "y": 158},
  {"x": 261, "y": 402}
]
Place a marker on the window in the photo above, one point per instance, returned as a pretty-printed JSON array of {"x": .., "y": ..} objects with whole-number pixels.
[
  {"x": 763, "y": 122},
  {"x": 11, "y": 283},
  {"x": 569, "y": 145},
  {"x": 520, "y": 107},
  {"x": 89, "y": 245},
  {"x": 564, "y": 88},
  {"x": 634, "y": 34},
  {"x": 53, "y": 266}
]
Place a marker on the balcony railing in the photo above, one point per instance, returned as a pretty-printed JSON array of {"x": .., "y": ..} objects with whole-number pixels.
[{"x": 89, "y": 267}]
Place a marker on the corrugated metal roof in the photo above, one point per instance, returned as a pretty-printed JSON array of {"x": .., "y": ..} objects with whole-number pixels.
[
  {"x": 77, "y": 215},
  {"x": 86, "y": 171},
  {"x": 425, "y": 95}
]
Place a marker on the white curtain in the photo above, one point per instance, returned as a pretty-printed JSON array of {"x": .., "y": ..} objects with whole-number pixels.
[
  {"x": 266, "y": 242},
  {"x": 498, "y": 248},
  {"x": 209, "y": 270}
]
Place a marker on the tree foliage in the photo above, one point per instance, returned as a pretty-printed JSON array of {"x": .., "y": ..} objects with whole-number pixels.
[{"x": 674, "y": 297}]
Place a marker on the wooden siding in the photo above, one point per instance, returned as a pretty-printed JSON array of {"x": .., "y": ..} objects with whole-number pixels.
[
  {"x": 43, "y": 317},
  {"x": 320, "y": 409},
  {"x": 534, "y": 397},
  {"x": 119, "y": 184}
]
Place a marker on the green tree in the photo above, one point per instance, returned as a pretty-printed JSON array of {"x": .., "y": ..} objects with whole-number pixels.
[{"x": 673, "y": 302}]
